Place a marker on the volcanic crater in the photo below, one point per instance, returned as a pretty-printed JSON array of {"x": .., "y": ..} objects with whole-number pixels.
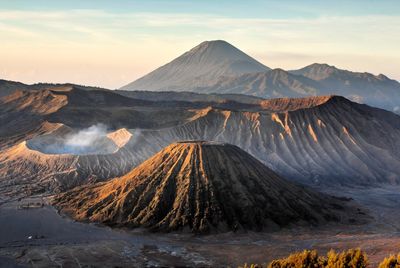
[{"x": 91, "y": 141}]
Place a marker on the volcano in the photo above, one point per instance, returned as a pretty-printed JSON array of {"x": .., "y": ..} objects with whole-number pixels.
[
  {"x": 201, "y": 187},
  {"x": 219, "y": 67},
  {"x": 199, "y": 67},
  {"x": 319, "y": 141}
]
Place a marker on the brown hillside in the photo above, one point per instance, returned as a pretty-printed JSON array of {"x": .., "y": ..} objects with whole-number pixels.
[{"x": 201, "y": 187}]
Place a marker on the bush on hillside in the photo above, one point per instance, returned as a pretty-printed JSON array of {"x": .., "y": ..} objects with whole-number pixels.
[
  {"x": 305, "y": 259},
  {"x": 390, "y": 262},
  {"x": 352, "y": 258}
]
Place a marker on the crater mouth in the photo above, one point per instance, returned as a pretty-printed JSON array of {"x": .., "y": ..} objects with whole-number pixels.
[
  {"x": 50, "y": 144},
  {"x": 193, "y": 141},
  {"x": 91, "y": 141},
  {"x": 200, "y": 142}
]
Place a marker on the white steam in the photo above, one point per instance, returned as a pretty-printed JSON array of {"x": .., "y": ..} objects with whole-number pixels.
[
  {"x": 91, "y": 140},
  {"x": 86, "y": 137}
]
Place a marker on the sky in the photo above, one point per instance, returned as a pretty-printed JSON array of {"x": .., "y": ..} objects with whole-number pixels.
[{"x": 111, "y": 43}]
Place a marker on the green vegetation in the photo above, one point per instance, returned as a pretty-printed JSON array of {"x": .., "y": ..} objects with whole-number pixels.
[{"x": 352, "y": 258}]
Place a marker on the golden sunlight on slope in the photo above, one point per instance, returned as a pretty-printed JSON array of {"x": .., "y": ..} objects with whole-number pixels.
[{"x": 201, "y": 187}]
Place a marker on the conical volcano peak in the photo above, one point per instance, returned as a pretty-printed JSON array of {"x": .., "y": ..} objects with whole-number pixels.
[
  {"x": 213, "y": 44},
  {"x": 201, "y": 186},
  {"x": 218, "y": 50},
  {"x": 199, "y": 67}
]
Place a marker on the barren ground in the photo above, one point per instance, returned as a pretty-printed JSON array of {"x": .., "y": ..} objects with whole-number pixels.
[{"x": 39, "y": 237}]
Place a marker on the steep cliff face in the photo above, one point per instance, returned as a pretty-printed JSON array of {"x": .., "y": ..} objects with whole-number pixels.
[
  {"x": 335, "y": 142},
  {"x": 201, "y": 187}
]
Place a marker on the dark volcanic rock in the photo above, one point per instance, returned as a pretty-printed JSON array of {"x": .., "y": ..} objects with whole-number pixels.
[{"x": 201, "y": 187}]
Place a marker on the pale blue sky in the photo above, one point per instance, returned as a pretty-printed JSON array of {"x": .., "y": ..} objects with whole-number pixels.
[
  {"x": 255, "y": 8},
  {"x": 110, "y": 43}
]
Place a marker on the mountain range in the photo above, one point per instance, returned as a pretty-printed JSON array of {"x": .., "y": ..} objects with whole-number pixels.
[
  {"x": 313, "y": 140},
  {"x": 318, "y": 141},
  {"x": 219, "y": 67}
]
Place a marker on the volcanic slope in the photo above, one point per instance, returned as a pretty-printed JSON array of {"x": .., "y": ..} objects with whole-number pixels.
[
  {"x": 376, "y": 90},
  {"x": 314, "y": 140},
  {"x": 26, "y": 114},
  {"x": 201, "y": 66},
  {"x": 46, "y": 164},
  {"x": 219, "y": 67},
  {"x": 272, "y": 84},
  {"x": 313, "y": 80},
  {"x": 37, "y": 126},
  {"x": 319, "y": 140},
  {"x": 201, "y": 187},
  {"x": 22, "y": 115}
]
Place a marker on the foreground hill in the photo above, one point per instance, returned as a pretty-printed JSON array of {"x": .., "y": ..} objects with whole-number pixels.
[
  {"x": 212, "y": 67},
  {"x": 201, "y": 187}
]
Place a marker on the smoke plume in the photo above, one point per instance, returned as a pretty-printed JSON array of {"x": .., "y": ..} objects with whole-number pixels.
[
  {"x": 86, "y": 137},
  {"x": 91, "y": 140}
]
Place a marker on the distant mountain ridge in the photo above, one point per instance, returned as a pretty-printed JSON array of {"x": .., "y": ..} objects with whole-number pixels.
[
  {"x": 218, "y": 67},
  {"x": 272, "y": 84},
  {"x": 8, "y": 87}
]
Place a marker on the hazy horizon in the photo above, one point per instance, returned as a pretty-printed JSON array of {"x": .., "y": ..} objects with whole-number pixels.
[{"x": 111, "y": 44}]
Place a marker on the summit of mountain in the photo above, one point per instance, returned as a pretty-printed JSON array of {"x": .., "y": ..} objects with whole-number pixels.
[{"x": 201, "y": 66}]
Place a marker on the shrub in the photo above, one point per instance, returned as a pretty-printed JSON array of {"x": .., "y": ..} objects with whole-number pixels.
[
  {"x": 251, "y": 266},
  {"x": 305, "y": 259},
  {"x": 352, "y": 258},
  {"x": 390, "y": 262}
]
